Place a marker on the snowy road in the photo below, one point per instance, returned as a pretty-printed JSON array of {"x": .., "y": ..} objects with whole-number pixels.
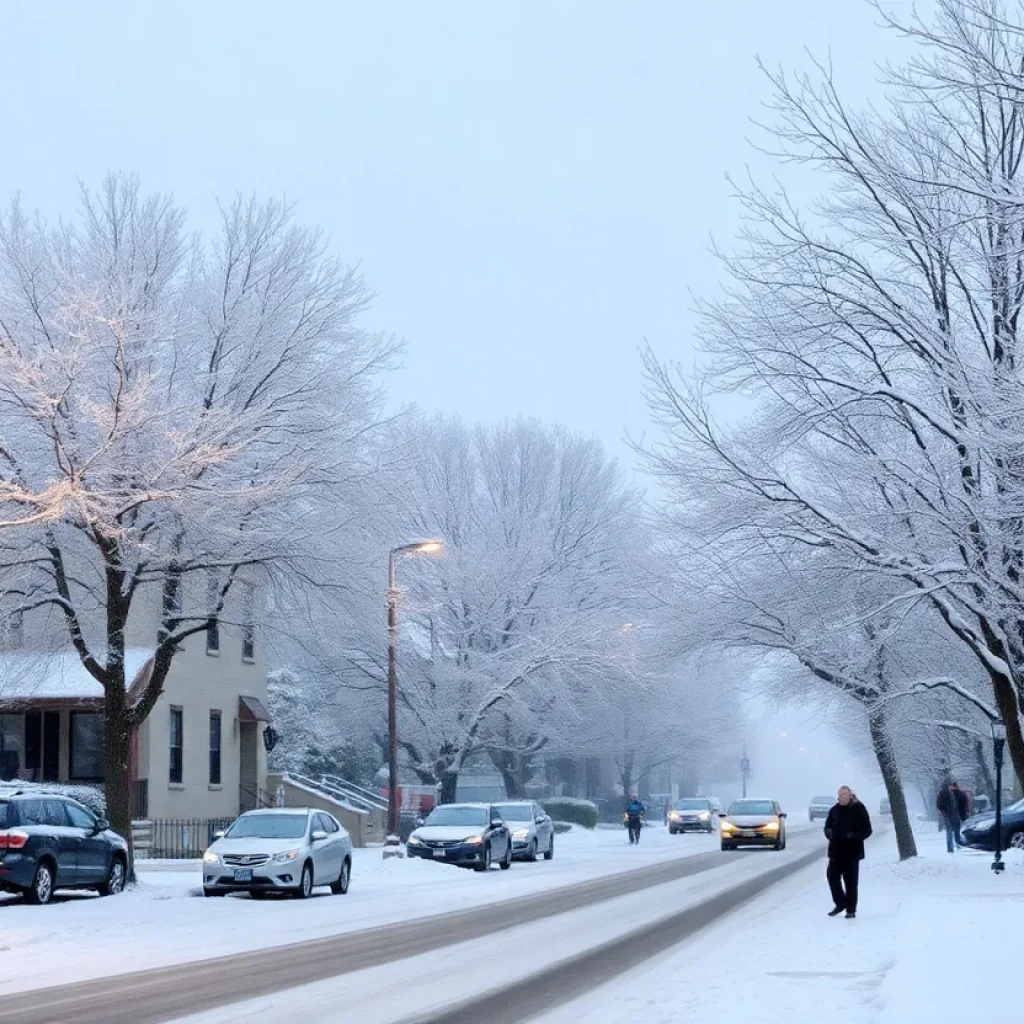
[{"x": 485, "y": 945}]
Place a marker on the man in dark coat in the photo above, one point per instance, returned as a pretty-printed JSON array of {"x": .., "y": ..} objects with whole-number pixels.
[
  {"x": 847, "y": 826},
  {"x": 952, "y": 805}
]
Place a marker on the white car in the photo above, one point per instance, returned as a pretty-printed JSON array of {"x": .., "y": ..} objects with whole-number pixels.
[
  {"x": 280, "y": 849},
  {"x": 533, "y": 832}
]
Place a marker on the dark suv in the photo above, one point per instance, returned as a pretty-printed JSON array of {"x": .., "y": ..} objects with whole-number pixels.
[{"x": 50, "y": 842}]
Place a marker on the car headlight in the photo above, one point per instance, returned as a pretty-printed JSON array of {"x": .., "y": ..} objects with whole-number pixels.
[
  {"x": 474, "y": 840},
  {"x": 521, "y": 833},
  {"x": 705, "y": 815},
  {"x": 285, "y": 858},
  {"x": 210, "y": 857},
  {"x": 772, "y": 826},
  {"x": 674, "y": 815},
  {"x": 414, "y": 840},
  {"x": 728, "y": 826}
]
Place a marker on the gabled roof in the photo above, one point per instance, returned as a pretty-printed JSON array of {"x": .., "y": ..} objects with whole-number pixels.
[{"x": 27, "y": 677}]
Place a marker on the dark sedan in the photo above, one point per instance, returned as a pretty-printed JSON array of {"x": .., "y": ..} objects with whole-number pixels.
[
  {"x": 50, "y": 842},
  {"x": 979, "y": 832},
  {"x": 470, "y": 835}
]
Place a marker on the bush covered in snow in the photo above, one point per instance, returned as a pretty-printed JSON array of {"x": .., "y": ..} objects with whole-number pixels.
[
  {"x": 568, "y": 809},
  {"x": 92, "y": 796}
]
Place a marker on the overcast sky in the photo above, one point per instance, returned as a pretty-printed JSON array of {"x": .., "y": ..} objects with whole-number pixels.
[{"x": 530, "y": 186}]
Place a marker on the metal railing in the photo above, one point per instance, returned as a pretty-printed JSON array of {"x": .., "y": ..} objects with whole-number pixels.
[
  {"x": 140, "y": 799},
  {"x": 343, "y": 791},
  {"x": 183, "y": 838},
  {"x": 252, "y": 798}
]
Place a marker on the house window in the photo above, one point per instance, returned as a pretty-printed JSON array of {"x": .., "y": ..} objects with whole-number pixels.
[
  {"x": 248, "y": 623},
  {"x": 11, "y": 738},
  {"x": 214, "y": 748},
  {"x": 177, "y": 738},
  {"x": 213, "y": 627},
  {"x": 86, "y": 755}
]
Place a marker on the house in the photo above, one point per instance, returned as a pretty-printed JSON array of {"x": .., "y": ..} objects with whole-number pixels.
[{"x": 202, "y": 751}]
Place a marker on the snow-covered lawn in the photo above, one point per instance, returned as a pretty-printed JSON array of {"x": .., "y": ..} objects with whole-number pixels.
[
  {"x": 934, "y": 939},
  {"x": 166, "y": 920}
]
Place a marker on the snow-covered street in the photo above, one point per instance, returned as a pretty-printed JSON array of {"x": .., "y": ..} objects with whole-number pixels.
[{"x": 166, "y": 921}]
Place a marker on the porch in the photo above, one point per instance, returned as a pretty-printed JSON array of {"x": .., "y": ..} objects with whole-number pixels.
[{"x": 52, "y": 743}]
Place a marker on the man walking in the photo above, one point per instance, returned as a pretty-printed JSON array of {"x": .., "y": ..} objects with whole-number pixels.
[
  {"x": 847, "y": 826},
  {"x": 952, "y": 805}
]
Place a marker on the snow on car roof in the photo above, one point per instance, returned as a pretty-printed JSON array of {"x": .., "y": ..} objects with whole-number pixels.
[
  {"x": 279, "y": 810},
  {"x": 59, "y": 674}
]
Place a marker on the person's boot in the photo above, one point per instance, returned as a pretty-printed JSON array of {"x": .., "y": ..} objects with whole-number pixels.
[
  {"x": 836, "y": 911},
  {"x": 851, "y": 914}
]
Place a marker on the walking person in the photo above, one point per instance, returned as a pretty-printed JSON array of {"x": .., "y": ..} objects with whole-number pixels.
[
  {"x": 634, "y": 817},
  {"x": 847, "y": 826},
  {"x": 952, "y": 806}
]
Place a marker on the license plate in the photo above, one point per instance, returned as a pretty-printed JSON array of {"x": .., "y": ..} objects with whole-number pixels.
[
  {"x": 243, "y": 874},
  {"x": 749, "y": 835}
]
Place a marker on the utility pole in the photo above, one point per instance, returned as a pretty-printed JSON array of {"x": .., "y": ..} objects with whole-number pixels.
[{"x": 745, "y": 770}]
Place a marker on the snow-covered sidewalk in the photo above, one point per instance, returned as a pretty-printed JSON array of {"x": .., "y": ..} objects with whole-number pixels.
[
  {"x": 167, "y": 921},
  {"x": 931, "y": 936}
]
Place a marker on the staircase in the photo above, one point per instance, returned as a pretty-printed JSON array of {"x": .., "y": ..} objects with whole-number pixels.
[{"x": 361, "y": 811}]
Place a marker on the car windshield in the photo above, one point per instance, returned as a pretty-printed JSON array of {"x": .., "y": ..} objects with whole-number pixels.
[
  {"x": 693, "y": 805},
  {"x": 453, "y": 815},
  {"x": 751, "y": 807},
  {"x": 515, "y": 812},
  {"x": 268, "y": 826}
]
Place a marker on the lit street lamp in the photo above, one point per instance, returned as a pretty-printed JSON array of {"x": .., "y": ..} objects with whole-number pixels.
[
  {"x": 394, "y": 811},
  {"x": 998, "y": 743}
]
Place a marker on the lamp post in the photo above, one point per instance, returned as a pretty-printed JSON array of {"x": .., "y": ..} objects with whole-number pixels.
[
  {"x": 998, "y": 743},
  {"x": 394, "y": 811}
]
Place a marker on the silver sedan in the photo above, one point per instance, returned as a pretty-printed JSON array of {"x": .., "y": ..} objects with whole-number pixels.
[
  {"x": 281, "y": 849},
  {"x": 533, "y": 832}
]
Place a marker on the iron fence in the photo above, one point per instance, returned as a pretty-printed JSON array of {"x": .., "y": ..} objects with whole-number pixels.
[{"x": 184, "y": 838}]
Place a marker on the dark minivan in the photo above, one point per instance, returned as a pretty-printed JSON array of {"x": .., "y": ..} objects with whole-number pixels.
[{"x": 50, "y": 842}]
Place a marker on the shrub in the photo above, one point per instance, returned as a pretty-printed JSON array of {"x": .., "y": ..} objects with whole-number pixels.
[
  {"x": 561, "y": 827},
  {"x": 576, "y": 812}
]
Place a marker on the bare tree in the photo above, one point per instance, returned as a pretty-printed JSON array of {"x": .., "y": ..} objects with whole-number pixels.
[{"x": 197, "y": 408}]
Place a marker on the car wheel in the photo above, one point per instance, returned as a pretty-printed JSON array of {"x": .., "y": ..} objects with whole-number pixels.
[
  {"x": 214, "y": 892},
  {"x": 340, "y": 887},
  {"x": 41, "y": 891},
  {"x": 531, "y": 856},
  {"x": 507, "y": 862},
  {"x": 305, "y": 889},
  {"x": 726, "y": 847},
  {"x": 1015, "y": 841},
  {"x": 485, "y": 865},
  {"x": 115, "y": 879}
]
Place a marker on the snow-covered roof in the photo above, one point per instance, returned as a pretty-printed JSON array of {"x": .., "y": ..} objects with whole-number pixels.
[{"x": 59, "y": 675}]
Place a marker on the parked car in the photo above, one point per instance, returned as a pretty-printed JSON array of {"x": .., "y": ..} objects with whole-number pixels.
[
  {"x": 820, "y": 806},
  {"x": 279, "y": 850},
  {"x": 759, "y": 822},
  {"x": 469, "y": 835},
  {"x": 50, "y": 842},
  {"x": 692, "y": 814},
  {"x": 533, "y": 831},
  {"x": 979, "y": 832}
]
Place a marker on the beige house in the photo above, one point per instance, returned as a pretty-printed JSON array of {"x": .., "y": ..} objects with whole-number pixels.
[{"x": 200, "y": 754}]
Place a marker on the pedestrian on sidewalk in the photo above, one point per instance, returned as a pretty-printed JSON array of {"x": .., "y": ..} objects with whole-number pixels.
[
  {"x": 952, "y": 806},
  {"x": 847, "y": 826}
]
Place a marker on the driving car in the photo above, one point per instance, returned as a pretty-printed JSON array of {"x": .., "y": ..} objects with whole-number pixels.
[
  {"x": 279, "y": 850},
  {"x": 533, "y": 831},
  {"x": 50, "y": 842},
  {"x": 692, "y": 814},
  {"x": 755, "y": 822},
  {"x": 979, "y": 832},
  {"x": 468, "y": 835},
  {"x": 820, "y": 806}
]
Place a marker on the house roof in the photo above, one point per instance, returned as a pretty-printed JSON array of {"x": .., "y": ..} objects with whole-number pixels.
[{"x": 60, "y": 675}]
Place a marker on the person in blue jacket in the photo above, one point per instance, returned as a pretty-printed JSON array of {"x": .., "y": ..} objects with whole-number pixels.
[{"x": 634, "y": 813}]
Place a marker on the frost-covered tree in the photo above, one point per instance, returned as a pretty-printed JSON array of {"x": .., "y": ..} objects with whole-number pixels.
[
  {"x": 196, "y": 408},
  {"x": 874, "y": 334}
]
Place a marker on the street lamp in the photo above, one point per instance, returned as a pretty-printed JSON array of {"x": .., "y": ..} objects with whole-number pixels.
[
  {"x": 998, "y": 743},
  {"x": 425, "y": 547}
]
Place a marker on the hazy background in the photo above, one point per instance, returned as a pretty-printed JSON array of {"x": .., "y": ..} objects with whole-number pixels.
[{"x": 531, "y": 187}]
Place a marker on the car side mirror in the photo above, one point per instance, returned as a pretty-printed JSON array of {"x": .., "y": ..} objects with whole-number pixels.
[
  {"x": 318, "y": 836},
  {"x": 782, "y": 814},
  {"x": 540, "y": 819},
  {"x": 420, "y": 822},
  {"x": 219, "y": 835},
  {"x": 102, "y": 825},
  {"x": 497, "y": 823}
]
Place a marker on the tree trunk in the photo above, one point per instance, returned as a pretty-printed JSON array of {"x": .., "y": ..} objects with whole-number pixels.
[
  {"x": 984, "y": 773},
  {"x": 117, "y": 745},
  {"x": 889, "y": 768},
  {"x": 449, "y": 785}
]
